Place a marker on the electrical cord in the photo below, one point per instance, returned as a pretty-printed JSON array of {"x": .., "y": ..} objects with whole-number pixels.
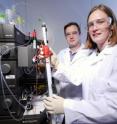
[{"x": 4, "y": 96}]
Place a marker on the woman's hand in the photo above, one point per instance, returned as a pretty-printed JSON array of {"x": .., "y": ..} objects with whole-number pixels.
[{"x": 54, "y": 104}]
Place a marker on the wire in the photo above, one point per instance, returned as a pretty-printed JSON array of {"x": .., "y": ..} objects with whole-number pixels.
[
  {"x": 2, "y": 79},
  {"x": 28, "y": 71}
]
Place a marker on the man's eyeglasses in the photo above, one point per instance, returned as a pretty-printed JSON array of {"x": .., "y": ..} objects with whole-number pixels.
[{"x": 71, "y": 33}]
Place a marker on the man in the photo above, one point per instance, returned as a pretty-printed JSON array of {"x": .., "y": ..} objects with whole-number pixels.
[{"x": 69, "y": 58}]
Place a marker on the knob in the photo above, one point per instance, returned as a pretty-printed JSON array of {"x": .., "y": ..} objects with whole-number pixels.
[
  {"x": 6, "y": 68},
  {"x": 4, "y": 50},
  {"x": 7, "y": 102}
]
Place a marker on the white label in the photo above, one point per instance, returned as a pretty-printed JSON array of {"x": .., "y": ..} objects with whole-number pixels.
[
  {"x": 10, "y": 76},
  {"x": 8, "y": 35}
]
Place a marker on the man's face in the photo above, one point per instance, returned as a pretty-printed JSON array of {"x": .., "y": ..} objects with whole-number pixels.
[{"x": 72, "y": 36}]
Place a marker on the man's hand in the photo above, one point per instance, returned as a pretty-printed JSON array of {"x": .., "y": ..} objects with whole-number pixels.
[
  {"x": 44, "y": 51},
  {"x": 54, "y": 104}
]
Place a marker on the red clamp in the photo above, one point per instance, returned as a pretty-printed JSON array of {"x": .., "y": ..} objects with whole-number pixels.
[{"x": 45, "y": 51}]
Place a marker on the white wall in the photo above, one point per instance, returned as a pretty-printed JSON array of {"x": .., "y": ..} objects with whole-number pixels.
[{"x": 56, "y": 13}]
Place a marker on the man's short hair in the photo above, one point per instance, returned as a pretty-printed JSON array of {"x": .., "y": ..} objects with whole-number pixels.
[{"x": 70, "y": 24}]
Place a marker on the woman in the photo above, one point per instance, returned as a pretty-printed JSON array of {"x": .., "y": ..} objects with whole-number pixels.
[{"x": 98, "y": 77}]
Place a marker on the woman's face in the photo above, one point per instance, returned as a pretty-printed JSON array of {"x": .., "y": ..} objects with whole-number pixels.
[{"x": 99, "y": 28}]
